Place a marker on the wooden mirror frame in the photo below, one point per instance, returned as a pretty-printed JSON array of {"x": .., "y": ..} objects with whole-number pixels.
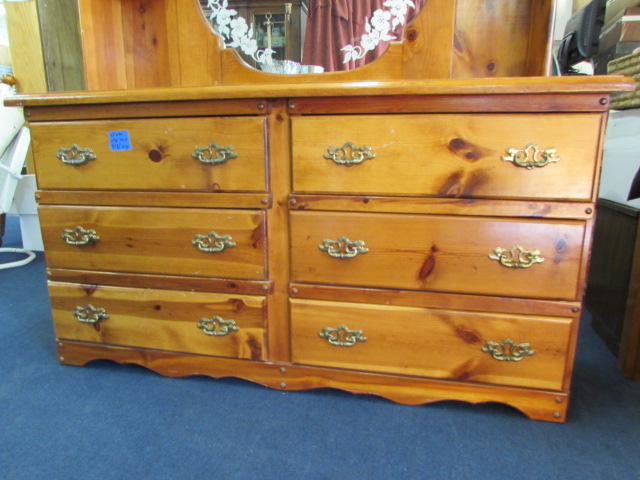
[{"x": 168, "y": 43}]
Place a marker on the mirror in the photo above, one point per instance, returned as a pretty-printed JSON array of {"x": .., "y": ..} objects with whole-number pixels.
[{"x": 310, "y": 36}]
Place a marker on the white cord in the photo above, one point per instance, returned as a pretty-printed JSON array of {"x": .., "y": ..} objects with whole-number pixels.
[{"x": 18, "y": 263}]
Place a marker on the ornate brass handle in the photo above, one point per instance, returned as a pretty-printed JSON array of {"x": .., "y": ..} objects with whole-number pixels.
[
  {"x": 342, "y": 336},
  {"x": 213, "y": 243},
  {"x": 214, "y": 154},
  {"x": 531, "y": 156},
  {"x": 349, "y": 154},
  {"x": 508, "y": 350},
  {"x": 516, "y": 257},
  {"x": 90, "y": 314},
  {"x": 75, "y": 155},
  {"x": 343, "y": 247},
  {"x": 80, "y": 237},
  {"x": 217, "y": 326}
]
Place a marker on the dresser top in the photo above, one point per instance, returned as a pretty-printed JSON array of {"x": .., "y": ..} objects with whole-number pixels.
[{"x": 484, "y": 86}]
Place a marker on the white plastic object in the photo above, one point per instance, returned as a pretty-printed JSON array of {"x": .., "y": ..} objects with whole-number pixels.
[{"x": 14, "y": 144}]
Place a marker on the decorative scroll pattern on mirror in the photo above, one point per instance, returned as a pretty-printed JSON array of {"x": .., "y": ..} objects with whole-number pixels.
[{"x": 377, "y": 28}]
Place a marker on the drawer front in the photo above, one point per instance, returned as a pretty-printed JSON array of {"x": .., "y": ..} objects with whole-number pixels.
[
  {"x": 432, "y": 343},
  {"x": 448, "y": 155},
  {"x": 156, "y": 240},
  {"x": 155, "y": 154},
  {"x": 179, "y": 321},
  {"x": 438, "y": 253}
]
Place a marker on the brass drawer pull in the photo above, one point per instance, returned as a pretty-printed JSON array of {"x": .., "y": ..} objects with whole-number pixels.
[
  {"x": 342, "y": 336},
  {"x": 217, "y": 326},
  {"x": 343, "y": 247},
  {"x": 213, "y": 243},
  {"x": 349, "y": 154},
  {"x": 80, "y": 237},
  {"x": 531, "y": 156},
  {"x": 214, "y": 154},
  {"x": 508, "y": 350},
  {"x": 75, "y": 155},
  {"x": 516, "y": 257},
  {"x": 90, "y": 314}
]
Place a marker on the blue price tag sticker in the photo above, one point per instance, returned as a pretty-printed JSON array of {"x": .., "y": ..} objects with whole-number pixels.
[{"x": 119, "y": 141}]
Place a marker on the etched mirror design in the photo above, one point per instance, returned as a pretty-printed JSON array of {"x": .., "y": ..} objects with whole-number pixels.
[{"x": 310, "y": 36}]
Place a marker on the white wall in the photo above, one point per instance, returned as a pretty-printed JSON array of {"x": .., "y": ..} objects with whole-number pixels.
[
  {"x": 564, "y": 8},
  {"x": 4, "y": 36}
]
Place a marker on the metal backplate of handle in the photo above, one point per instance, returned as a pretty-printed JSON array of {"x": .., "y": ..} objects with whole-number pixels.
[
  {"x": 343, "y": 247},
  {"x": 508, "y": 350},
  {"x": 79, "y": 237},
  {"x": 213, "y": 243},
  {"x": 342, "y": 336},
  {"x": 75, "y": 155},
  {"x": 516, "y": 257},
  {"x": 90, "y": 314},
  {"x": 349, "y": 154},
  {"x": 214, "y": 154},
  {"x": 531, "y": 156},
  {"x": 217, "y": 326}
]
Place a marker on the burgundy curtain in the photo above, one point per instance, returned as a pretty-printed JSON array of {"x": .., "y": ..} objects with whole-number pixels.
[{"x": 332, "y": 24}]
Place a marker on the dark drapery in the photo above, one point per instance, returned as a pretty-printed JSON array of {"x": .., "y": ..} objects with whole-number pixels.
[{"x": 332, "y": 24}]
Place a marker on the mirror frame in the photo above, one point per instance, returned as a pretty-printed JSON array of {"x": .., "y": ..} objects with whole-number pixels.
[{"x": 170, "y": 43}]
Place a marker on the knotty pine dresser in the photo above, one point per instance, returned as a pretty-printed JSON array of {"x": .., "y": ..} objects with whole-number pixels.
[{"x": 417, "y": 240}]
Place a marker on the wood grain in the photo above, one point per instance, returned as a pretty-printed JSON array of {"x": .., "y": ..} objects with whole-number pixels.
[
  {"x": 198, "y": 108},
  {"x": 260, "y": 201},
  {"x": 160, "y": 157},
  {"x": 165, "y": 282},
  {"x": 536, "y": 404},
  {"x": 427, "y": 43},
  {"x": 161, "y": 319},
  {"x": 459, "y": 248},
  {"x": 438, "y": 300},
  {"x": 447, "y": 206},
  {"x": 156, "y": 240},
  {"x": 449, "y": 103},
  {"x": 278, "y": 233},
  {"x": 169, "y": 42},
  {"x": 26, "y": 46},
  {"x": 599, "y": 84},
  {"x": 496, "y": 39},
  {"x": 426, "y": 287},
  {"x": 103, "y": 44},
  {"x": 61, "y": 44},
  {"x": 431, "y": 343},
  {"x": 151, "y": 59},
  {"x": 449, "y": 155}
]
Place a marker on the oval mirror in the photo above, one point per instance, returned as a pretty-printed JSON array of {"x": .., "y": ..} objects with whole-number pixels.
[{"x": 310, "y": 36}]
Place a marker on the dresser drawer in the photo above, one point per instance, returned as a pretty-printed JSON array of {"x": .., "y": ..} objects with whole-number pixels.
[
  {"x": 517, "y": 350},
  {"x": 438, "y": 253},
  {"x": 168, "y": 241},
  {"x": 179, "y": 321},
  {"x": 452, "y": 155},
  {"x": 153, "y": 154}
]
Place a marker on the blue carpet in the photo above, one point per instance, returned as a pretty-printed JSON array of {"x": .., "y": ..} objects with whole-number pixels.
[{"x": 107, "y": 421}]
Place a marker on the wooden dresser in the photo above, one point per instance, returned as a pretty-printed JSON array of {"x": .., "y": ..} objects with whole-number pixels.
[{"x": 418, "y": 240}]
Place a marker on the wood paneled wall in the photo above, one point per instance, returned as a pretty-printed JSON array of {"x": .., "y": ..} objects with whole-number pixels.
[
  {"x": 26, "y": 46},
  {"x": 61, "y": 44}
]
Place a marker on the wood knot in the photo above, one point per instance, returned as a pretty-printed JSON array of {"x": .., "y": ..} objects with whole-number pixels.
[
  {"x": 155, "y": 155},
  {"x": 464, "y": 149},
  {"x": 412, "y": 35}
]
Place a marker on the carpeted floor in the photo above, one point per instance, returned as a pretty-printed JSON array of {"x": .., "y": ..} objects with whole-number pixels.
[{"x": 107, "y": 421}]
